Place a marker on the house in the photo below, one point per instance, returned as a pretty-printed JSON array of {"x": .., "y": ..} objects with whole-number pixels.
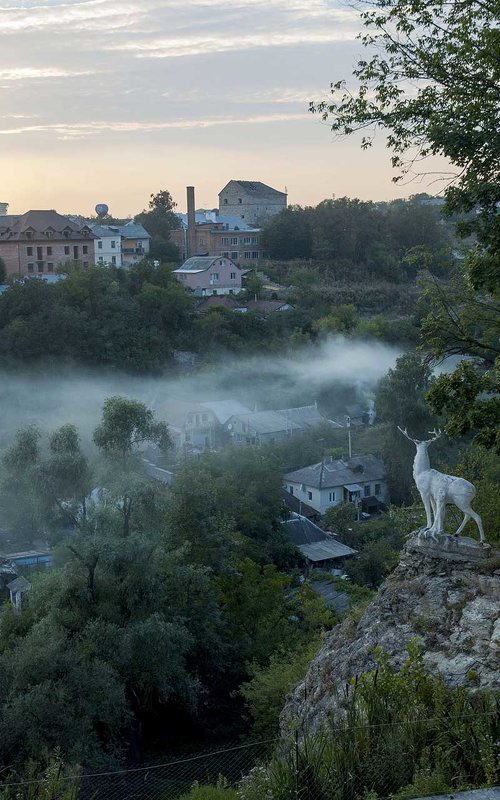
[
  {"x": 252, "y": 201},
  {"x": 334, "y": 481},
  {"x": 205, "y": 422},
  {"x": 211, "y": 233},
  {"x": 39, "y": 241},
  {"x": 28, "y": 559},
  {"x": 318, "y": 548},
  {"x": 269, "y": 427},
  {"x": 107, "y": 245},
  {"x": 136, "y": 243},
  {"x": 17, "y": 588},
  {"x": 207, "y": 275},
  {"x": 261, "y": 427}
]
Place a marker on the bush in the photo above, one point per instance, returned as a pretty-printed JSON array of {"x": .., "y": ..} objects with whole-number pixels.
[{"x": 205, "y": 792}]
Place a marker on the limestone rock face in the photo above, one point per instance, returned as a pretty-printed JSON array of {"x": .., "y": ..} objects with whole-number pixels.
[{"x": 443, "y": 595}]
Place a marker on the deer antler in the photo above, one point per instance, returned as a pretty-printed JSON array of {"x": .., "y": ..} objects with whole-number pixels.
[
  {"x": 405, "y": 433},
  {"x": 435, "y": 435}
]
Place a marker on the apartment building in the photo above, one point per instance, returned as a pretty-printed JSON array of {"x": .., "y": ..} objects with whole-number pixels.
[{"x": 37, "y": 242}]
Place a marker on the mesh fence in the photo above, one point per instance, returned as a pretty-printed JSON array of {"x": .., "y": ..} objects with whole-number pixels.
[{"x": 362, "y": 762}]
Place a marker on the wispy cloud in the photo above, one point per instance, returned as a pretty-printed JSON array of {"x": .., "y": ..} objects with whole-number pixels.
[
  {"x": 40, "y": 73},
  {"x": 203, "y": 45},
  {"x": 82, "y": 129}
]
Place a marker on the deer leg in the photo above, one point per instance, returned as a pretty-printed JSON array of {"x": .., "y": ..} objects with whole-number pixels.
[
  {"x": 427, "y": 506},
  {"x": 477, "y": 519},
  {"x": 463, "y": 524},
  {"x": 433, "y": 505},
  {"x": 440, "y": 509}
]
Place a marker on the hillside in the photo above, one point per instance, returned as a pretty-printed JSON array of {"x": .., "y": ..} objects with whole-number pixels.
[{"x": 447, "y": 600}]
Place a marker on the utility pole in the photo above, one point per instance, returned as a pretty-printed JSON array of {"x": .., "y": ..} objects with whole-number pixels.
[{"x": 348, "y": 422}]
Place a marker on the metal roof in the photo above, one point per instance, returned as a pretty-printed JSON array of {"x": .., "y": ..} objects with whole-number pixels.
[
  {"x": 267, "y": 422},
  {"x": 337, "y": 472},
  {"x": 312, "y": 541},
  {"x": 19, "y": 585},
  {"x": 323, "y": 551},
  {"x": 198, "y": 264},
  {"x": 305, "y": 416},
  {"x": 225, "y": 409},
  {"x": 132, "y": 230}
]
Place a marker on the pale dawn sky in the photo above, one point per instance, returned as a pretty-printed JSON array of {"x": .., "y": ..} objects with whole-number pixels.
[{"x": 110, "y": 100}]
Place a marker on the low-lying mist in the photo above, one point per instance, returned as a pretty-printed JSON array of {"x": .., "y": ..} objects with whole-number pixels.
[{"x": 333, "y": 373}]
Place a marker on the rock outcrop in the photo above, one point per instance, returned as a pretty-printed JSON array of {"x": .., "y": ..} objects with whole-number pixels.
[{"x": 445, "y": 594}]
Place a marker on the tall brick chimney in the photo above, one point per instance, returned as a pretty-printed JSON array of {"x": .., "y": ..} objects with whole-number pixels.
[{"x": 191, "y": 231}]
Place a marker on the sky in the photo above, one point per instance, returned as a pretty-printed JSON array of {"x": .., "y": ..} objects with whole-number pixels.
[{"x": 108, "y": 101}]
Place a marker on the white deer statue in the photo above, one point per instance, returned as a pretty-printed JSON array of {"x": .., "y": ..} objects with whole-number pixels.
[{"x": 438, "y": 489}]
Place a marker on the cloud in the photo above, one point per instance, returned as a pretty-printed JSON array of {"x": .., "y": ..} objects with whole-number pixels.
[
  {"x": 38, "y": 73},
  {"x": 81, "y": 129}
]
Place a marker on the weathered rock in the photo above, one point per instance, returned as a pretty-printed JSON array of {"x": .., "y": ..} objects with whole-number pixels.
[{"x": 445, "y": 597}]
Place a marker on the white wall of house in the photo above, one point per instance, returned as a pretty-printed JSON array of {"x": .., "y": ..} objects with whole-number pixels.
[
  {"x": 108, "y": 250},
  {"x": 322, "y": 499}
]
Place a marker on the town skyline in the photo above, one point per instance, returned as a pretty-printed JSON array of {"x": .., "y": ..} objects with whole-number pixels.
[{"x": 103, "y": 102}]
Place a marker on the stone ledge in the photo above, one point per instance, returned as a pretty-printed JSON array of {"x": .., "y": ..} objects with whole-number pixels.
[{"x": 447, "y": 547}]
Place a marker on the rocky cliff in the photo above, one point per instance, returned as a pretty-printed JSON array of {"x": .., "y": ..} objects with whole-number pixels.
[{"x": 446, "y": 594}]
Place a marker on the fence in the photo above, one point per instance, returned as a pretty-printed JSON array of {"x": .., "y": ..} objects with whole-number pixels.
[{"x": 362, "y": 762}]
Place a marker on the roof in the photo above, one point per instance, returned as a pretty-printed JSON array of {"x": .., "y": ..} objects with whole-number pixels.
[
  {"x": 132, "y": 230},
  {"x": 312, "y": 541},
  {"x": 214, "y": 300},
  {"x": 267, "y": 306},
  {"x": 200, "y": 263},
  {"x": 305, "y": 416},
  {"x": 19, "y": 585},
  {"x": 105, "y": 231},
  {"x": 255, "y": 188},
  {"x": 26, "y": 554},
  {"x": 296, "y": 504},
  {"x": 225, "y": 409},
  {"x": 224, "y": 222},
  {"x": 337, "y": 472},
  {"x": 267, "y": 422},
  {"x": 38, "y": 222},
  {"x": 339, "y": 601}
]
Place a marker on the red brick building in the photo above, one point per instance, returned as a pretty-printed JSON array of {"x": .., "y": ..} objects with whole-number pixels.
[{"x": 39, "y": 241}]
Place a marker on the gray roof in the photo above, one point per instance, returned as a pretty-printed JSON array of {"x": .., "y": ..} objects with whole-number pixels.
[
  {"x": 339, "y": 601},
  {"x": 337, "y": 472},
  {"x": 225, "y": 409},
  {"x": 105, "y": 231},
  {"x": 38, "y": 223},
  {"x": 230, "y": 222},
  {"x": 19, "y": 585},
  {"x": 312, "y": 541},
  {"x": 268, "y": 422},
  {"x": 256, "y": 188},
  {"x": 197, "y": 264},
  {"x": 132, "y": 230},
  {"x": 305, "y": 416}
]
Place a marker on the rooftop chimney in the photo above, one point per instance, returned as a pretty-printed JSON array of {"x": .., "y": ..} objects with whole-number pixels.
[
  {"x": 3, "y": 209},
  {"x": 191, "y": 231}
]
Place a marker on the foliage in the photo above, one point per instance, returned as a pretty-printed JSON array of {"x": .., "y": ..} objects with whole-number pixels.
[
  {"x": 433, "y": 84},
  {"x": 395, "y": 727},
  {"x": 3, "y": 271},
  {"x": 126, "y": 425},
  {"x": 55, "y": 783},
  {"x": 204, "y": 792},
  {"x": 288, "y": 235},
  {"x": 159, "y": 221}
]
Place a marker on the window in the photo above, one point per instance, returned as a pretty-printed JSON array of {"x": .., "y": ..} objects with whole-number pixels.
[
  {"x": 39, "y": 254},
  {"x": 85, "y": 264},
  {"x": 113, "y": 244},
  {"x": 113, "y": 260},
  {"x": 75, "y": 251},
  {"x": 226, "y": 255},
  {"x": 29, "y": 235},
  {"x": 99, "y": 244},
  {"x": 39, "y": 266},
  {"x": 367, "y": 490},
  {"x": 246, "y": 254},
  {"x": 233, "y": 276},
  {"x": 378, "y": 489},
  {"x": 231, "y": 291},
  {"x": 204, "y": 417},
  {"x": 225, "y": 240},
  {"x": 66, "y": 250},
  {"x": 50, "y": 267},
  {"x": 85, "y": 249},
  {"x": 225, "y": 201},
  {"x": 240, "y": 200},
  {"x": 291, "y": 489},
  {"x": 255, "y": 254},
  {"x": 100, "y": 260},
  {"x": 221, "y": 263},
  {"x": 30, "y": 267},
  {"x": 255, "y": 240},
  {"x": 49, "y": 234},
  {"x": 309, "y": 495},
  {"x": 214, "y": 291},
  {"x": 234, "y": 255},
  {"x": 214, "y": 277},
  {"x": 246, "y": 240},
  {"x": 234, "y": 240},
  {"x": 49, "y": 251},
  {"x": 331, "y": 497},
  {"x": 29, "y": 251}
]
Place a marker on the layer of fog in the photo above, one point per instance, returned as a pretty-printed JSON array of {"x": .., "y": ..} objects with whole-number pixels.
[{"x": 332, "y": 374}]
